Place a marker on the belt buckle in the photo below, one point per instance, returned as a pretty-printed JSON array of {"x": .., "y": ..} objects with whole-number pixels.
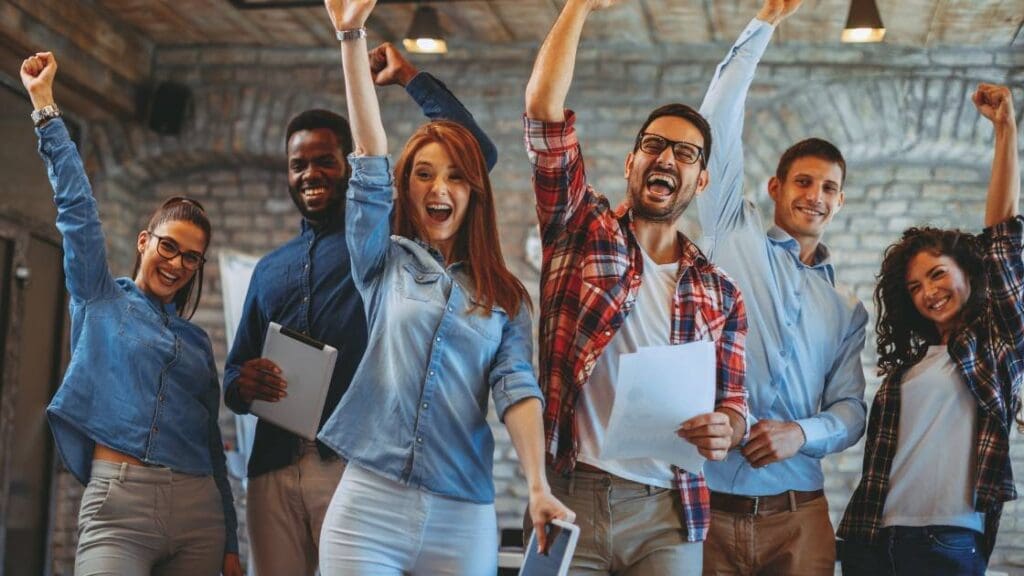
[{"x": 757, "y": 504}]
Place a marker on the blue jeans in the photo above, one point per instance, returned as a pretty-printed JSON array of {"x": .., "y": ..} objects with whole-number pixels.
[{"x": 910, "y": 551}]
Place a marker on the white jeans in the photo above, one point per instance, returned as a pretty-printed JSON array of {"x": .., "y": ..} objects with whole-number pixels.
[{"x": 379, "y": 527}]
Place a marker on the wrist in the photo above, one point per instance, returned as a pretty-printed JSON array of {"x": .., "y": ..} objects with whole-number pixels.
[
  {"x": 538, "y": 487},
  {"x": 406, "y": 74},
  {"x": 768, "y": 17},
  {"x": 41, "y": 99}
]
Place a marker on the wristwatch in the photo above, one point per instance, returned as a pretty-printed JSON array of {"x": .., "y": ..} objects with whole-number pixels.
[
  {"x": 353, "y": 34},
  {"x": 45, "y": 114}
]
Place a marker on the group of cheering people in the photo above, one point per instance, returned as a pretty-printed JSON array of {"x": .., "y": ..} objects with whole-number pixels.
[{"x": 398, "y": 265}]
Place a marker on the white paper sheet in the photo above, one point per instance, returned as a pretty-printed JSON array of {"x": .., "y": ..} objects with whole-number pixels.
[{"x": 659, "y": 388}]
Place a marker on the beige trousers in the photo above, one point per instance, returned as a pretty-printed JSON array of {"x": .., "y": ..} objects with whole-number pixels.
[
  {"x": 137, "y": 521},
  {"x": 285, "y": 510},
  {"x": 626, "y": 528},
  {"x": 797, "y": 543}
]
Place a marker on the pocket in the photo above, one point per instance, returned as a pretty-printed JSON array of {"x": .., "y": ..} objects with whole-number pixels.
[
  {"x": 958, "y": 541},
  {"x": 95, "y": 501},
  {"x": 145, "y": 328},
  {"x": 490, "y": 326},
  {"x": 416, "y": 284}
]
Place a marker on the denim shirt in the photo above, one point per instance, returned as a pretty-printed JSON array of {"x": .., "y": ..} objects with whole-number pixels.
[
  {"x": 416, "y": 411},
  {"x": 141, "y": 379},
  {"x": 806, "y": 336},
  {"x": 306, "y": 285}
]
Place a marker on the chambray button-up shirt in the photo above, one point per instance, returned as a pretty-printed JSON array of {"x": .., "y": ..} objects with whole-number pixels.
[
  {"x": 417, "y": 406},
  {"x": 141, "y": 379},
  {"x": 805, "y": 339},
  {"x": 306, "y": 285}
]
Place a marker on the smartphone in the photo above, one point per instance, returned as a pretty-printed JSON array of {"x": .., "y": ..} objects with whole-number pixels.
[{"x": 562, "y": 538}]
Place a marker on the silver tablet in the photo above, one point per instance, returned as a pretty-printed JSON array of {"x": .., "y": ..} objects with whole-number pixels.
[{"x": 562, "y": 538}]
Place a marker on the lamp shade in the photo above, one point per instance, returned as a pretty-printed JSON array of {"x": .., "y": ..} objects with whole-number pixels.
[
  {"x": 864, "y": 23},
  {"x": 425, "y": 35}
]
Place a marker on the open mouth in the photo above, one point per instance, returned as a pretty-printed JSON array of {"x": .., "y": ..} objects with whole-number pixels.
[
  {"x": 314, "y": 192},
  {"x": 167, "y": 278},
  {"x": 939, "y": 304},
  {"x": 661, "y": 184},
  {"x": 811, "y": 212},
  {"x": 439, "y": 212}
]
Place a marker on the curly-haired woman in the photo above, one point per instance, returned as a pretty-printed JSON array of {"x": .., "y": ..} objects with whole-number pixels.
[{"x": 951, "y": 351}]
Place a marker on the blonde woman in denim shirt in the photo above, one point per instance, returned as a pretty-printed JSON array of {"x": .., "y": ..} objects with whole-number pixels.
[
  {"x": 136, "y": 416},
  {"x": 448, "y": 324}
]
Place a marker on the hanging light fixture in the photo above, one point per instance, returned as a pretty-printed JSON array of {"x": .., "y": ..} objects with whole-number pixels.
[
  {"x": 425, "y": 35},
  {"x": 864, "y": 23}
]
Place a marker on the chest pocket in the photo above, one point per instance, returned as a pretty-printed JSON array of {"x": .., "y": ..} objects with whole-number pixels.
[
  {"x": 419, "y": 285},
  {"x": 490, "y": 326},
  {"x": 145, "y": 327}
]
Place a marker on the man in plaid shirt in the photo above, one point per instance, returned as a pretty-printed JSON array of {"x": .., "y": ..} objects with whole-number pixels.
[{"x": 616, "y": 280}]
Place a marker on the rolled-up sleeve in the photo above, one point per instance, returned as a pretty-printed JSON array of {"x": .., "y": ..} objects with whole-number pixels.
[{"x": 512, "y": 378}]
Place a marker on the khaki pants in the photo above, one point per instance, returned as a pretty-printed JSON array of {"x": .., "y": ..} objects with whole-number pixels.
[
  {"x": 285, "y": 510},
  {"x": 137, "y": 521},
  {"x": 797, "y": 543},
  {"x": 626, "y": 528}
]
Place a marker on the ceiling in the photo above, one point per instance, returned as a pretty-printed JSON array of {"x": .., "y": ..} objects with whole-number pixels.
[{"x": 911, "y": 23}]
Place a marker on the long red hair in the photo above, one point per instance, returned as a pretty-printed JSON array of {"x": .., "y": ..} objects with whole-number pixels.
[{"x": 476, "y": 242}]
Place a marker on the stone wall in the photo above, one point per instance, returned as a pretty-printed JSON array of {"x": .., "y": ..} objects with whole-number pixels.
[{"x": 916, "y": 149}]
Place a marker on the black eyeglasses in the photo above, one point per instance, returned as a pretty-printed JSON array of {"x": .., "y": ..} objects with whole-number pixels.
[
  {"x": 168, "y": 249},
  {"x": 684, "y": 152}
]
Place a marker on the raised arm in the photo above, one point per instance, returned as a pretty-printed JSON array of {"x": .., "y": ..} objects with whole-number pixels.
[
  {"x": 363, "y": 109},
  {"x": 724, "y": 104},
  {"x": 996, "y": 104},
  {"x": 552, "y": 71},
  {"x": 85, "y": 253},
  {"x": 388, "y": 66}
]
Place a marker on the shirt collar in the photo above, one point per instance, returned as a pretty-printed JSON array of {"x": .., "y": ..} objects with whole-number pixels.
[
  {"x": 335, "y": 222},
  {"x": 822, "y": 255}
]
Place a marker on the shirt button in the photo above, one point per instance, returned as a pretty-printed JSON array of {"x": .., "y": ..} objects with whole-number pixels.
[
  {"x": 419, "y": 440},
  {"x": 450, "y": 309},
  {"x": 306, "y": 266},
  {"x": 431, "y": 372},
  {"x": 424, "y": 405},
  {"x": 155, "y": 429},
  {"x": 162, "y": 398},
  {"x": 607, "y": 332},
  {"x": 305, "y": 298},
  {"x": 438, "y": 338}
]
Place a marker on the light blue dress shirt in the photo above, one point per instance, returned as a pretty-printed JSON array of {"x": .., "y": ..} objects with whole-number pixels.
[
  {"x": 805, "y": 339},
  {"x": 416, "y": 410}
]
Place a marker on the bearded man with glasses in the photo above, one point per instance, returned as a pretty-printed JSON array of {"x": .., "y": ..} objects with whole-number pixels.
[{"x": 614, "y": 281}]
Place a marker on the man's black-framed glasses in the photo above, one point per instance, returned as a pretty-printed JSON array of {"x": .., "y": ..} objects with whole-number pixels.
[
  {"x": 168, "y": 249},
  {"x": 685, "y": 152}
]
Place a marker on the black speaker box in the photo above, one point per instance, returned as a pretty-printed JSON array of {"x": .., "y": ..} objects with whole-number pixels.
[{"x": 164, "y": 107}]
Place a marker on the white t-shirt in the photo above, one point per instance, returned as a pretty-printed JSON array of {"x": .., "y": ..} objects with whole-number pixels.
[
  {"x": 933, "y": 473},
  {"x": 648, "y": 324}
]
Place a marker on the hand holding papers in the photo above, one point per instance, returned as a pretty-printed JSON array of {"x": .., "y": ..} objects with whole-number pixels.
[
  {"x": 307, "y": 366},
  {"x": 658, "y": 388}
]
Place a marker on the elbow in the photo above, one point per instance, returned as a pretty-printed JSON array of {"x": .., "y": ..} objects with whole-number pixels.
[{"x": 540, "y": 107}]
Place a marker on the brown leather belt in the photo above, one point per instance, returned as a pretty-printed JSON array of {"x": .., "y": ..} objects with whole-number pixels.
[{"x": 762, "y": 505}]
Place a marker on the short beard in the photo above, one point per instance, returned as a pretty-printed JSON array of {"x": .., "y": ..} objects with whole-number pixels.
[
  {"x": 336, "y": 206},
  {"x": 677, "y": 206}
]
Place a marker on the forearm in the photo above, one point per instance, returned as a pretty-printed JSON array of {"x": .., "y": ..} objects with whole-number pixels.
[
  {"x": 438, "y": 102},
  {"x": 363, "y": 109},
  {"x": 556, "y": 61},
  {"x": 525, "y": 425},
  {"x": 1004, "y": 185}
]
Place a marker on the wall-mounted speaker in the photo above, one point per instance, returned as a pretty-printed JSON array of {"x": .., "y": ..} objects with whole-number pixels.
[{"x": 165, "y": 106}]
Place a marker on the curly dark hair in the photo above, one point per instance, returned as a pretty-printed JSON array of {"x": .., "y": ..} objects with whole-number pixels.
[{"x": 903, "y": 334}]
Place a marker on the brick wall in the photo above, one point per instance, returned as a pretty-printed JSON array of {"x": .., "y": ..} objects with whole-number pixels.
[{"x": 916, "y": 150}]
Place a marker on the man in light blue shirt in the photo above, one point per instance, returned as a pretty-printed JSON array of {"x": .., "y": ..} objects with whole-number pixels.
[{"x": 804, "y": 375}]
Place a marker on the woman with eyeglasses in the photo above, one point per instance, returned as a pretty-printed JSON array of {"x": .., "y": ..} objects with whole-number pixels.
[
  {"x": 950, "y": 329},
  {"x": 136, "y": 416}
]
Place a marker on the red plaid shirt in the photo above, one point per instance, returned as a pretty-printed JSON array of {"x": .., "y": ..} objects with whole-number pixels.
[{"x": 592, "y": 271}]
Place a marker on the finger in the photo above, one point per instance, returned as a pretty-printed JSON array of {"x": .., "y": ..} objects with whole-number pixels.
[
  {"x": 706, "y": 431},
  {"x": 759, "y": 454},
  {"x": 262, "y": 376},
  {"x": 265, "y": 364},
  {"x": 762, "y": 461},
  {"x": 713, "y": 454},
  {"x": 542, "y": 537},
  {"x": 753, "y": 446},
  {"x": 568, "y": 515}
]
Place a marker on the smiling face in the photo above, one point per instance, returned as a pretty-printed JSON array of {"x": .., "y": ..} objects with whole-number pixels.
[
  {"x": 938, "y": 288},
  {"x": 809, "y": 197},
  {"x": 158, "y": 276},
  {"x": 660, "y": 187},
  {"x": 438, "y": 197},
  {"x": 317, "y": 173}
]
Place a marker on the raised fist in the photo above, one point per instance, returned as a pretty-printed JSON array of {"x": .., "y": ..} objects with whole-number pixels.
[
  {"x": 388, "y": 66},
  {"x": 995, "y": 103},
  {"x": 37, "y": 73},
  {"x": 349, "y": 14}
]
